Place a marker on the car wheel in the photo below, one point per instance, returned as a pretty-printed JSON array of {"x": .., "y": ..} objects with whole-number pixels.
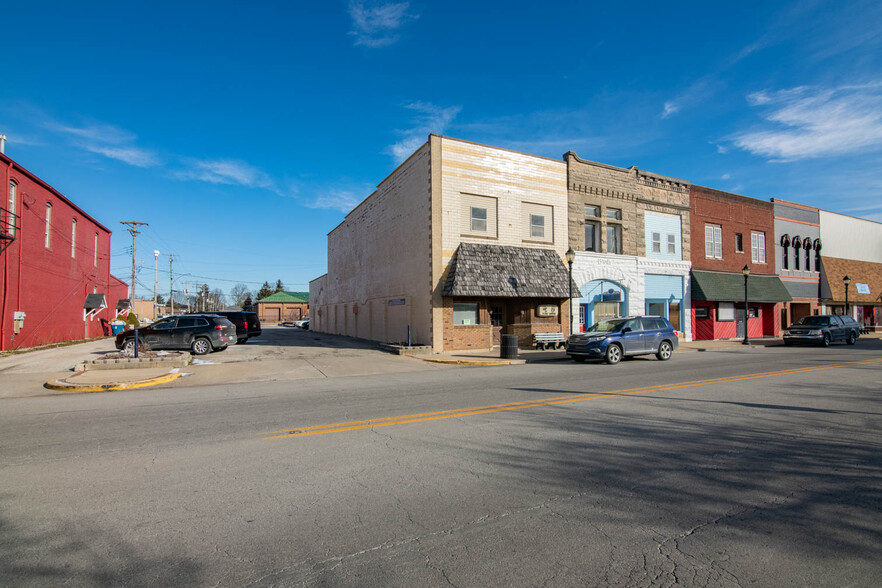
[
  {"x": 579, "y": 358},
  {"x": 242, "y": 340},
  {"x": 852, "y": 338},
  {"x": 201, "y": 346},
  {"x": 613, "y": 354},
  {"x": 128, "y": 347},
  {"x": 826, "y": 342},
  {"x": 664, "y": 351}
]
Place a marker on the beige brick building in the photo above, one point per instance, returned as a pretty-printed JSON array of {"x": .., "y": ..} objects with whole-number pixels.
[
  {"x": 630, "y": 231},
  {"x": 460, "y": 244}
]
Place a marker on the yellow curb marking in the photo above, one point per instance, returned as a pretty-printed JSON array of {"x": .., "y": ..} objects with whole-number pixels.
[
  {"x": 68, "y": 387},
  {"x": 446, "y": 414}
]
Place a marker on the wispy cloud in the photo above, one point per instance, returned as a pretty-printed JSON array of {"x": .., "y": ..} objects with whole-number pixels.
[
  {"x": 429, "y": 119},
  {"x": 816, "y": 122},
  {"x": 375, "y": 24},
  {"x": 107, "y": 140},
  {"x": 225, "y": 171},
  {"x": 342, "y": 200}
]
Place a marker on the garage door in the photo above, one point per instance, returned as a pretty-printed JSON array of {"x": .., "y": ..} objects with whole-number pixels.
[
  {"x": 292, "y": 314},
  {"x": 273, "y": 314}
]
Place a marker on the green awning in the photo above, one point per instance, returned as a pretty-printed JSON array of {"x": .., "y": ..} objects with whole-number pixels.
[{"x": 725, "y": 287}]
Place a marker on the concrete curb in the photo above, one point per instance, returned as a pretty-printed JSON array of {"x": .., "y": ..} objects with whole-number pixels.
[
  {"x": 489, "y": 362},
  {"x": 65, "y": 386}
]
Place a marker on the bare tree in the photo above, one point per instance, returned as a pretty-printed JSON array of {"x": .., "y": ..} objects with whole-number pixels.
[{"x": 238, "y": 293}]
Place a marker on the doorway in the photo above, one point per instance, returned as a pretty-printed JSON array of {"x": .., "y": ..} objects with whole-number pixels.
[
  {"x": 497, "y": 320},
  {"x": 739, "y": 323}
]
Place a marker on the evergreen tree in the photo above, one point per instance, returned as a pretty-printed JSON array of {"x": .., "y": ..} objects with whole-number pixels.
[
  {"x": 248, "y": 306},
  {"x": 265, "y": 290},
  {"x": 279, "y": 286}
]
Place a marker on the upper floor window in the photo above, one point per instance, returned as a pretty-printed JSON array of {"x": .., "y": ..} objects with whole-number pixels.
[
  {"x": 537, "y": 226},
  {"x": 592, "y": 211},
  {"x": 713, "y": 241},
  {"x": 739, "y": 243},
  {"x": 95, "y": 262},
  {"x": 656, "y": 242},
  {"x": 479, "y": 219},
  {"x": 807, "y": 245},
  {"x": 614, "y": 239},
  {"x": 614, "y": 213},
  {"x": 73, "y": 238},
  {"x": 13, "y": 191},
  {"x": 592, "y": 236},
  {"x": 672, "y": 244},
  {"x": 47, "y": 237},
  {"x": 758, "y": 247}
]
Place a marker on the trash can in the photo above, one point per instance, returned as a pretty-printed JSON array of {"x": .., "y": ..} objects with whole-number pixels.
[
  {"x": 116, "y": 327},
  {"x": 509, "y": 347}
]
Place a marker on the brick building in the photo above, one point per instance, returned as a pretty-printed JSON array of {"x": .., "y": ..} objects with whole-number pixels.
[
  {"x": 283, "y": 306},
  {"x": 630, "y": 230},
  {"x": 460, "y": 244},
  {"x": 797, "y": 258},
  {"x": 737, "y": 232},
  {"x": 54, "y": 256}
]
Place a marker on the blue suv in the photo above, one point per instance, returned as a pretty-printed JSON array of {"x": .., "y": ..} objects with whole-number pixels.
[{"x": 616, "y": 338}]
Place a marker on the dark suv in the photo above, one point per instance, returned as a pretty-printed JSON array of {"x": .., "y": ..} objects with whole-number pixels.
[
  {"x": 247, "y": 323},
  {"x": 616, "y": 338},
  {"x": 823, "y": 329},
  {"x": 200, "y": 333}
]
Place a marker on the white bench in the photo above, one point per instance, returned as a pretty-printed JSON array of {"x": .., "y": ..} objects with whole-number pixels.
[{"x": 544, "y": 340}]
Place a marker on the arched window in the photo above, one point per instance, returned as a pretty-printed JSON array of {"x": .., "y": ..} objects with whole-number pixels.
[
  {"x": 785, "y": 245},
  {"x": 797, "y": 245},
  {"x": 48, "y": 236},
  {"x": 13, "y": 191},
  {"x": 96, "y": 250},
  {"x": 807, "y": 245},
  {"x": 817, "y": 246},
  {"x": 73, "y": 238}
]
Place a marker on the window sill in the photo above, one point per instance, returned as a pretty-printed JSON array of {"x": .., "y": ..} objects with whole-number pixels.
[
  {"x": 537, "y": 242},
  {"x": 474, "y": 236}
]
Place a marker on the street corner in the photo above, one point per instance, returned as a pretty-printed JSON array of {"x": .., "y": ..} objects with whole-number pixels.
[{"x": 113, "y": 380}]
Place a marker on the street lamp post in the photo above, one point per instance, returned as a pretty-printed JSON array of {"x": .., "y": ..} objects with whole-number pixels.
[
  {"x": 746, "y": 271},
  {"x": 846, "y": 280},
  {"x": 571, "y": 257},
  {"x": 155, "y": 275}
]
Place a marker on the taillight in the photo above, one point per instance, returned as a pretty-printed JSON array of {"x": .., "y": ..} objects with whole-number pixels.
[
  {"x": 246, "y": 324},
  {"x": 220, "y": 326}
]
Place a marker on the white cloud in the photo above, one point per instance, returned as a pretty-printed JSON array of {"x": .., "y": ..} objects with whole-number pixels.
[
  {"x": 107, "y": 140},
  {"x": 816, "y": 122},
  {"x": 342, "y": 200},
  {"x": 725, "y": 176},
  {"x": 670, "y": 108},
  {"x": 375, "y": 25},
  {"x": 429, "y": 119},
  {"x": 130, "y": 155},
  {"x": 225, "y": 171}
]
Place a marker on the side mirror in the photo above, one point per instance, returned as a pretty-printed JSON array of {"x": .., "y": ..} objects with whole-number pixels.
[{"x": 626, "y": 330}]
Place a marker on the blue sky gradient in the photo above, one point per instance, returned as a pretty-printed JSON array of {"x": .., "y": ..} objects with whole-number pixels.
[{"x": 243, "y": 134}]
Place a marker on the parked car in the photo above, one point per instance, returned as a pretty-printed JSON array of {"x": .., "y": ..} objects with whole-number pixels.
[
  {"x": 200, "y": 333},
  {"x": 247, "y": 323},
  {"x": 302, "y": 323},
  {"x": 823, "y": 329},
  {"x": 616, "y": 338}
]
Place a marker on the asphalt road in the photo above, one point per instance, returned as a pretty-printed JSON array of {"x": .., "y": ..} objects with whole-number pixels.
[{"x": 747, "y": 467}]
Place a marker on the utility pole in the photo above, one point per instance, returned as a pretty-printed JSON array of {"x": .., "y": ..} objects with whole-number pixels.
[
  {"x": 134, "y": 231},
  {"x": 187, "y": 294},
  {"x": 171, "y": 279},
  {"x": 155, "y": 276}
]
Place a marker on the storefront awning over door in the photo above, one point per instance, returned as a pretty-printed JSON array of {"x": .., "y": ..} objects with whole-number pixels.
[
  {"x": 480, "y": 270},
  {"x": 726, "y": 287}
]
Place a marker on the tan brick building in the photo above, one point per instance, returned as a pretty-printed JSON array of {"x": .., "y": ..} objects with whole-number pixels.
[
  {"x": 493, "y": 219},
  {"x": 630, "y": 231}
]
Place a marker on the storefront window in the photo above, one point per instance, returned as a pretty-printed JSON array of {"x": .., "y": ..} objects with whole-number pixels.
[{"x": 465, "y": 313}]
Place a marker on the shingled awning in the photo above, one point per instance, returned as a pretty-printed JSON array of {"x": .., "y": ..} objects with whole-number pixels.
[
  {"x": 718, "y": 286},
  {"x": 509, "y": 272}
]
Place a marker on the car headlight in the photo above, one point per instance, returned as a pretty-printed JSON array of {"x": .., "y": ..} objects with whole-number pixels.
[{"x": 817, "y": 332}]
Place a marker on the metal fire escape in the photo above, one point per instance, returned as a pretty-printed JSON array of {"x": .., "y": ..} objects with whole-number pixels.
[{"x": 8, "y": 228}]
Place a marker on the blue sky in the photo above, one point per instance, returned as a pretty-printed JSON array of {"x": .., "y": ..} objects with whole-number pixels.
[{"x": 243, "y": 133}]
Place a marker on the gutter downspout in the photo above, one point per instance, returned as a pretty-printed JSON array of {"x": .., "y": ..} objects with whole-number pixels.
[{"x": 5, "y": 275}]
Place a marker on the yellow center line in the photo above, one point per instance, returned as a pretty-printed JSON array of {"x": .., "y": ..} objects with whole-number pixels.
[{"x": 476, "y": 410}]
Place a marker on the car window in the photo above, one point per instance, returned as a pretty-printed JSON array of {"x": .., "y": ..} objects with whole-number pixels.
[
  {"x": 186, "y": 322},
  {"x": 609, "y": 326},
  {"x": 634, "y": 325},
  {"x": 201, "y": 322},
  {"x": 813, "y": 321},
  {"x": 835, "y": 321},
  {"x": 164, "y": 324},
  {"x": 655, "y": 323}
]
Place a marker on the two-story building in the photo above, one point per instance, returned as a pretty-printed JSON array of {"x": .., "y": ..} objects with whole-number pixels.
[
  {"x": 734, "y": 255},
  {"x": 797, "y": 258},
  {"x": 55, "y": 277},
  {"x": 630, "y": 231},
  {"x": 460, "y": 244},
  {"x": 852, "y": 248}
]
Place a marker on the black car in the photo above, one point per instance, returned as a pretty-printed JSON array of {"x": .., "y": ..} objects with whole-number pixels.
[
  {"x": 613, "y": 339},
  {"x": 200, "y": 333},
  {"x": 247, "y": 323},
  {"x": 823, "y": 329}
]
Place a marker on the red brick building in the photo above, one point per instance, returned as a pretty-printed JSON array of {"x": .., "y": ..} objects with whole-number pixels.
[
  {"x": 54, "y": 255},
  {"x": 731, "y": 232}
]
